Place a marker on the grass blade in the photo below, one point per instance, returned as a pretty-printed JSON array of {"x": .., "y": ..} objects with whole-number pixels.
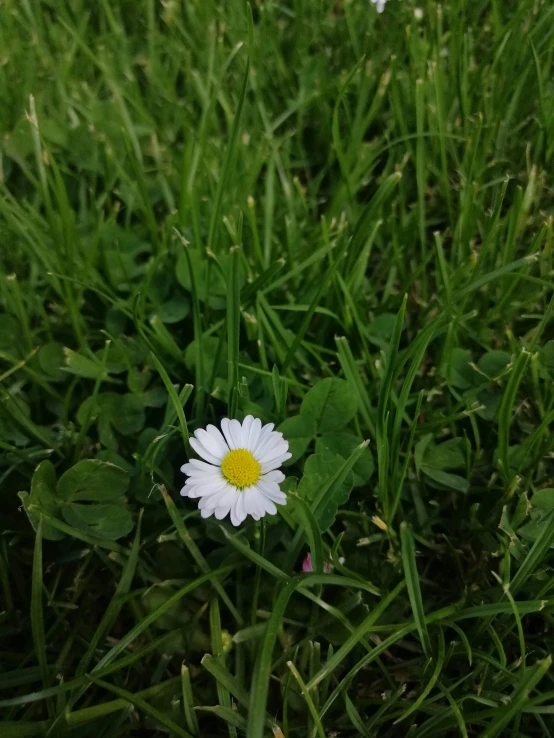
[
  {"x": 141, "y": 704},
  {"x": 412, "y": 583}
]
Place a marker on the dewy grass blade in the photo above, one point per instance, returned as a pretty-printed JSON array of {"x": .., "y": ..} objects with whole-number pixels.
[
  {"x": 140, "y": 627},
  {"x": 116, "y": 603},
  {"x": 216, "y": 638},
  {"x": 355, "y": 717},
  {"x": 324, "y": 284},
  {"x": 225, "y": 678},
  {"x": 352, "y": 641},
  {"x": 200, "y": 378},
  {"x": 327, "y": 491},
  {"x": 25, "y": 699},
  {"x": 337, "y": 139},
  {"x": 352, "y": 374},
  {"x": 384, "y": 406},
  {"x": 431, "y": 683},
  {"x": 519, "y": 698},
  {"x": 262, "y": 671},
  {"x": 229, "y": 157},
  {"x": 505, "y": 412},
  {"x": 412, "y": 582},
  {"x": 308, "y": 698},
  {"x": 37, "y": 613},
  {"x": 188, "y": 701},
  {"x": 195, "y": 552},
  {"x": 228, "y": 714},
  {"x": 156, "y": 715},
  {"x": 536, "y": 554},
  {"x": 165, "y": 377},
  {"x": 312, "y": 531},
  {"x": 233, "y": 329}
]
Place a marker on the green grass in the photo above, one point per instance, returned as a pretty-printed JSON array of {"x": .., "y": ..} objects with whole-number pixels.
[{"x": 206, "y": 209}]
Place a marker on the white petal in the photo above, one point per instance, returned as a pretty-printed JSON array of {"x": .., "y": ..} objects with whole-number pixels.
[
  {"x": 238, "y": 512},
  {"x": 240, "y": 509},
  {"x": 271, "y": 442},
  {"x": 213, "y": 442},
  {"x": 275, "y": 464},
  {"x": 195, "y": 466},
  {"x": 270, "y": 506},
  {"x": 264, "y": 504},
  {"x": 226, "y": 428},
  {"x": 189, "y": 492},
  {"x": 223, "y": 498},
  {"x": 235, "y": 429},
  {"x": 206, "y": 513},
  {"x": 202, "y": 451},
  {"x": 222, "y": 512},
  {"x": 274, "y": 476},
  {"x": 252, "y": 504},
  {"x": 264, "y": 433},
  {"x": 245, "y": 430},
  {"x": 234, "y": 519},
  {"x": 209, "y": 488},
  {"x": 195, "y": 490},
  {"x": 273, "y": 453},
  {"x": 254, "y": 434},
  {"x": 271, "y": 491},
  {"x": 213, "y": 473}
]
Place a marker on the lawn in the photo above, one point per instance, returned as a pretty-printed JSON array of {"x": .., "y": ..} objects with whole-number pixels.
[{"x": 337, "y": 221}]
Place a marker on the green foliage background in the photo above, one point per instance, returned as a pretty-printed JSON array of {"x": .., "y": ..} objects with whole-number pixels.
[{"x": 342, "y": 223}]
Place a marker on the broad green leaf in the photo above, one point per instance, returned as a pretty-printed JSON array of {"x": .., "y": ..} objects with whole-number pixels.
[
  {"x": 124, "y": 255},
  {"x": 211, "y": 359},
  {"x": 518, "y": 459},
  {"x": 43, "y": 493},
  {"x": 344, "y": 444},
  {"x": 82, "y": 366},
  {"x": 207, "y": 277},
  {"x": 332, "y": 403},
  {"x": 116, "y": 459},
  {"x": 289, "y": 485},
  {"x": 137, "y": 380},
  {"x": 458, "y": 371},
  {"x": 543, "y": 499},
  {"x": 128, "y": 414},
  {"x": 547, "y": 358},
  {"x": 318, "y": 470},
  {"x": 51, "y": 359},
  {"x": 124, "y": 412},
  {"x": 447, "y": 455},
  {"x": 174, "y": 309},
  {"x": 381, "y": 327},
  {"x": 154, "y": 397},
  {"x": 494, "y": 363},
  {"x": 101, "y": 520},
  {"x": 491, "y": 402},
  {"x": 421, "y": 449},
  {"x": 299, "y": 432},
  {"x": 116, "y": 321},
  {"x": 94, "y": 481},
  {"x": 123, "y": 353},
  {"x": 445, "y": 479}
]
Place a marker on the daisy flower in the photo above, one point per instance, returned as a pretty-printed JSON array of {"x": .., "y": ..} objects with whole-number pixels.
[
  {"x": 379, "y": 4},
  {"x": 239, "y": 473}
]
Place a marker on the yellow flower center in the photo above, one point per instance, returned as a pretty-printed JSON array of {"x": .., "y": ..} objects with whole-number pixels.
[{"x": 240, "y": 468}]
